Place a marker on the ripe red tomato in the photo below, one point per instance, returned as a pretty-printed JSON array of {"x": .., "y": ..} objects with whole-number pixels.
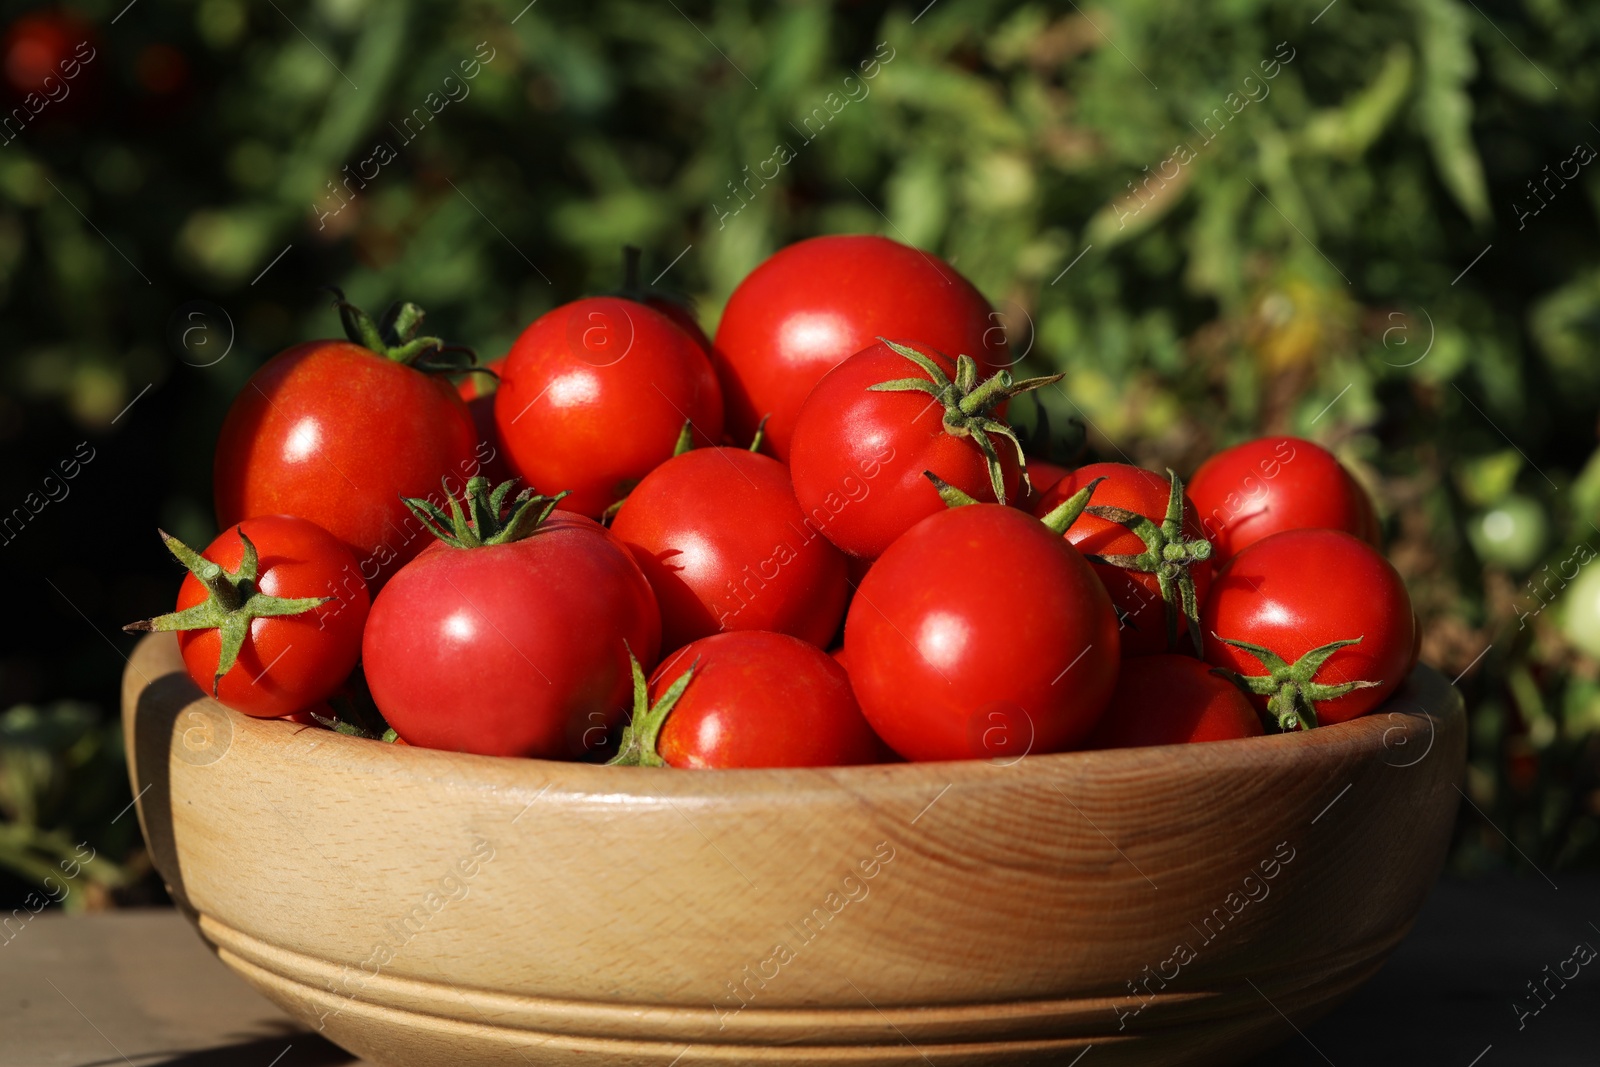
[
  {"x": 1328, "y": 620},
  {"x": 813, "y": 304},
  {"x": 751, "y": 699},
  {"x": 1262, "y": 487},
  {"x": 1173, "y": 700},
  {"x": 980, "y": 633},
  {"x": 594, "y": 395},
  {"x": 877, "y": 422},
  {"x": 1150, "y": 608},
  {"x": 726, "y": 547},
  {"x": 272, "y": 623},
  {"x": 338, "y": 432},
  {"x": 511, "y": 640}
]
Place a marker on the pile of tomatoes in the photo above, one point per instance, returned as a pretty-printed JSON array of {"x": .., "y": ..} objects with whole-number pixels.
[{"x": 813, "y": 541}]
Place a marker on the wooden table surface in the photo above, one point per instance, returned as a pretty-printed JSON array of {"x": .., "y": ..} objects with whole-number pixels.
[{"x": 140, "y": 988}]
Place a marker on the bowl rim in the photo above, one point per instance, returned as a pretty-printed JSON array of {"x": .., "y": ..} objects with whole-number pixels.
[{"x": 1424, "y": 704}]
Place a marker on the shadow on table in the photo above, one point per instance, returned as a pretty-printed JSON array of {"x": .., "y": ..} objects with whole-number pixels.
[
  {"x": 289, "y": 1046},
  {"x": 1451, "y": 993}
]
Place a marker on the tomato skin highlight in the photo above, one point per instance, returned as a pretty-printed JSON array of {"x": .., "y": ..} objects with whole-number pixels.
[
  {"x": 1136, "y": 594},
  {"x": 593, "y": 397},
  {"x": 514, "y": 649},
  {"x": 289, "y": 662},
  {"x": 980, "y": 633},
  {"x": 1262, "y": 487},
  {"x": 1301, "y": 589},
  {"x": 812, "y": 304},
  {"x": 859, "y": 455},
  {"x": 1165, "y": 699},
  {"x": 337, "y": 434},
  {"x": 761, "y": 699},
  {"x": 726, "y": 547}
]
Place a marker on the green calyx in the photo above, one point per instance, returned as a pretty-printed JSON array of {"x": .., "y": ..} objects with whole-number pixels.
[
  {"x": 1167, "y": 554},
  {"x": 483, "y": 517},
  {"x": 1060, "y": 518},
  {"x": 1290, "y": 688},
  {"x": 232, "y": 603},
  {"x": 968, "y": 403},
  {"x": 952, "y": 497},
  {"x": 642, "y": 734},
  {"x": 395, "y": 337}
]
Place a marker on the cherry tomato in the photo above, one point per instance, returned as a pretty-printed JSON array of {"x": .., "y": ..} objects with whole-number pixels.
[
  {"x": 1330, "y": 620},
  {"x": 1173, "y": 700},
  {"x": 269, "y": 617},
  {"x": 726, "y": 547},
  {"x": 511, "y": 640},
  {"x": 594, "y": 395},
  {"x": 1261, "y": 487},
  {"x": 338, "y": 433},
  {"x": 980, "y": 633},
  {"x": 1150, "y": 609},
  {"x": 813, "y": 304},
  {"x": 879, "y": 421},
  {"x": 750, "y": 699}
]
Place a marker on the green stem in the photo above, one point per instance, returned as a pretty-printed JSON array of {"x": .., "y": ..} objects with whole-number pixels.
[
  {"x": 1168, "y": 554},
  {"x": 395, "y": 337},
  {"x": 642, "y": 736},
  {"x": 232, "y": 602},
  {"x": 968, "y": 404},
  {"x": 1291, "y": 689},
  {"x": 1063, "y": 515},
  {"x": 481, "y": 517}
]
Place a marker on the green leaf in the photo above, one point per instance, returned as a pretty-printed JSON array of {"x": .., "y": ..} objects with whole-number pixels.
[{"x": 1444, "y": 107}]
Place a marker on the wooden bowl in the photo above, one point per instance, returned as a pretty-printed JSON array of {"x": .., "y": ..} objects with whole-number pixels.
[{"x": 1171, "y": 905}]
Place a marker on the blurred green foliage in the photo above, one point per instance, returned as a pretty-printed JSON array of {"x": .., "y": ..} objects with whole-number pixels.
[{"x": 1358, "y": 224}]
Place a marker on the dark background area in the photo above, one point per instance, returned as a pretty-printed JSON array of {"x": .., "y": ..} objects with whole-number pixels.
[{"x": 1381, "y": 253}]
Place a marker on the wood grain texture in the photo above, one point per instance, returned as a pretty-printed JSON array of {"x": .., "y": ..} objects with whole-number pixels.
[{"x": 428, "y": 908}]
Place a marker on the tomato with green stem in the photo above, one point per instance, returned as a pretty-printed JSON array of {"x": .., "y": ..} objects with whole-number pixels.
[
  {"x": 1314, "y": 623},
  {"x": 269, "y": 617},
  {"x": 337, "y": 432},
  {"x": 879, "y": 420},
  {"x": 509, "y": 635},
  {"x": 813, "y": 304},
  {"x": 747, "y": 699},
  {"x": 1141, "y": 535}
]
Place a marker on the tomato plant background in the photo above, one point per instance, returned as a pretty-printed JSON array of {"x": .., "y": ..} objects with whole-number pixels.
[{"x": 1318, "y": 267}]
